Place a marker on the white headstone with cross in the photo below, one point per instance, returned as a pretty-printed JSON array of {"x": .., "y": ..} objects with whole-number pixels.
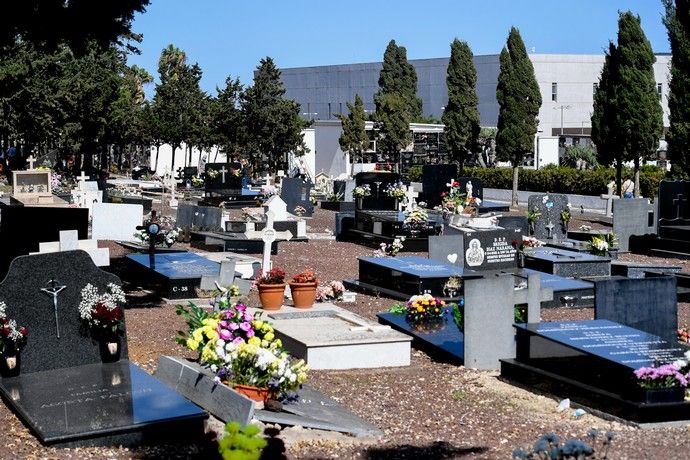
[
  {"x": 410, "y": 198},
  {"x": 31, "y": 160},
  {"x": 268, "y": 235},
  {"x": 82, "y": 180},
  {"x": 268, "y": 179},
  {"x": 69, "y": 241},
  {"x": 609, "y": 197}
]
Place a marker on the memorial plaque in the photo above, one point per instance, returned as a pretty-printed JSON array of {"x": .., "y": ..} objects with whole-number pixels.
[
  {"x": 490, "y": 250},
  {"x": 611, "y": 341},
  {"x": 227, "y": 177},
  {"x": 674, "y": 201},
  {"x": 549, "y": 224}
]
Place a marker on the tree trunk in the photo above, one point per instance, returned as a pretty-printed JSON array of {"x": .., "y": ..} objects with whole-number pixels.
[
  {"x": 155, "y": 165},
  {"x": 190, "y": 155},
  {"x": 637, "y": 178},
  {"x": 619, "y": 177},
  {"x": 172, "y": 165},
  {"x": 516, "y": 171}
]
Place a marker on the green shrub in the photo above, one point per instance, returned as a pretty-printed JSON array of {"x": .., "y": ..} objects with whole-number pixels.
[
  {"x": 414, "y": 174},
  {"x": 554, "y": 179},
  {"x": 241, "y": 443}
]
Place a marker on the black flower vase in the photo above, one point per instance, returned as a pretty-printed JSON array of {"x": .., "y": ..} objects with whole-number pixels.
[
  {"x": 110, "y": 349},
  {"x": 10, "y": 364}
]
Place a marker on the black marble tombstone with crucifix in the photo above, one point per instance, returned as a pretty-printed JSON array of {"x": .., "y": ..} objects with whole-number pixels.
[
  {"x": 548, "y": 207},
  {"x": 65, "y": 392},
  {"x": 674, "y": 202},
  {"x": 224, "y": 177}
]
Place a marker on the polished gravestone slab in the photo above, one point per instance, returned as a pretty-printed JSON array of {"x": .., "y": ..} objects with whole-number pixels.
[
  {"x": 232, "y": 242},
  {"x": 199, "y": 217},
  {"x": 592, "y": 363},
  {"x": 567, "y": 292},
  {"x": 548, "y": 207},
  {"x": 434, "y": 180},
  {"x": 570, "y": 245},
  {"x": 385, "y": 226},
  {"x": 567, "y": 263},
  {"x": 639, "y": 270},
  {"x": 443, "y": 339},
  {"x": 490, "y": 250},
  {"x": 377, "y": 181},
  {"x": 295, "y": 192},
  {"x": 406, "y": 275},
  {"x": 179, "y": 273},
  {"x": 146, "y": 202},
  {"x": 83, "y": 405}
]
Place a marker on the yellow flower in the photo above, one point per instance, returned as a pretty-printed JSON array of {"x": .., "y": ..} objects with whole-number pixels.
[
  {"x": 255, "y": 341},
  {"x": 257, "y": 324},
  {"x": 198, "y": 335},
  {"x": 212, "y": 334},
  {"x": 269, "y": 336},
  {"x": 192, "y": 344},
  {"x": 265, "y": 344}
]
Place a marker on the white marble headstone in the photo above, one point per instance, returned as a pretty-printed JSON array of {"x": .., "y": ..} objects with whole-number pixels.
[
  {"x": 278, "y": 206},
  {"x": 118, "y": 222}
]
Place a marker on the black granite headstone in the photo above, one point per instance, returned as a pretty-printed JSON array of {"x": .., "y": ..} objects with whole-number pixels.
[
  {"x": 377, "y": 181},
  {"x": 648, "y": 304},
  {"x": 674, "y": 201},
  {"x": 434, "y": 180},
  {"x": 228, "y": 177},
  {"x": 518, "y": 224},
  {"x": 549, "y": 224},
  {"x": 295, "y": 192},
  {"x": 199, "y": 217},
  {"x": 22, "y": 228},
  {"x": 447, "y": 249},
  {"x": 490, "y": 250}
]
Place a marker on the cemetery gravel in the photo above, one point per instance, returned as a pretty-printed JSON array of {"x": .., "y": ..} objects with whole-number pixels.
[{"x": 430, "y": 409}]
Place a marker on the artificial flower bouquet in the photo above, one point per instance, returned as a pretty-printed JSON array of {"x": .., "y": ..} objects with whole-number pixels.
[
  {"x": 12, "y": 336},
  {"x": 307, "y": 276},
  {"x": 600, "y": 245},
  {"x": 416, "y": 218},
  {"x": 359, "y": 192},
  {"x": 425, "y": 307},
  {"x": 391, "y": 249},
  {"x": 527, "y": 242},
  {"x": 331, "y": 291},
  {"x": 167, "y": 235},
  {"x": 396, "y": 190},
  {"x": 273, "y": 276},
  {"x": 102, "y": 312},
  {"x": 454, "y": 200}
]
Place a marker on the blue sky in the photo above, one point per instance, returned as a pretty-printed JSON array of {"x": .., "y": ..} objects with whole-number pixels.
[{"x": 229, "y": 37}]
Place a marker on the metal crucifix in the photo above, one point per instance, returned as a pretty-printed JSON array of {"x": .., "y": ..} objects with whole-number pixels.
[{"x": 54, "y": 290}]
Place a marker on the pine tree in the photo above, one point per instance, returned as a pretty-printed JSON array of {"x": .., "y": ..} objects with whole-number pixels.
[
  {"x": 461, "y": 115},
  {"x": 272, "y": 123},
  {"x": 605, "y": 116},
  {"x": 354, "y": 139},
  {"x": 637, "y": 99},
  {"x": 519, "y": 100},
  {"x": 677, "y": 21},
  {"x": 227, "y": 122}
]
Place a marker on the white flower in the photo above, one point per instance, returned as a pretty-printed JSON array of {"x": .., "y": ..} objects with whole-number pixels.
[
  {"x": 545, "y": 198},
  {"x": 679, "y": 363}
]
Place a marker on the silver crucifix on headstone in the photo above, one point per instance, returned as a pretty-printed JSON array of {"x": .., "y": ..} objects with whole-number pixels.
[
  {"x": 54, "y": 290},
  {"x": 549, "y": 228}
]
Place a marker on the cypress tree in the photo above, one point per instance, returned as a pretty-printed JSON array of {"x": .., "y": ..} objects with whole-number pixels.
[
  {"x": 461, "y": 116},
  {"x": 637, "y": 101},
  {"x": 354, "y": 139},
  {"x": 605, "y": 116},
  {"x": 519, "y": 100},
  {"x": 677, "y": 21}
]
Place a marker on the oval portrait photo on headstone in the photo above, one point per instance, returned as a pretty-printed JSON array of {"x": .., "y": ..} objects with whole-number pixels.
[{"x": 475, "y": 254}]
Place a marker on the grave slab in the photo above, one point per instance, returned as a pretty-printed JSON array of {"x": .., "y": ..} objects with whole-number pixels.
[
  {"x": 639, "y": 270},
  {"x": 295, "y": 192},
  {"x": 199, "y": 217},
  {"x": 569, "y": 264},
  {"x": 330, "y": 337},
  {"x": 632, "y": 217},
  {"x": 179, "y": 273}
]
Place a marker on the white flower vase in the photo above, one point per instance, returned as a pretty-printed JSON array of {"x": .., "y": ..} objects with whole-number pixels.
[
  {"x": 11, "y": 362},
  {"x": 112, "y": 347}
]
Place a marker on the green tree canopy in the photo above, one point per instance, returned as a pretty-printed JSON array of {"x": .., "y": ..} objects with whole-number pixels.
[
  {"x": 519, "y": 101},
  {"x": 461, "y": 115},
  {"x": 677, "y": 21},
  {"x": 354, "y": 139},
  {"x": 227, "y": 119}
]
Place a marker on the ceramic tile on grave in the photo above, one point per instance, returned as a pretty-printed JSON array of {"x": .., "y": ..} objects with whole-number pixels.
[
  {"x": 180, "y": 272},
  {"x": 548, "y": 225},
  {"x": 443, "y": 339},
  {"x": 407, "y": 275},
  {"x": 567, "y": 263},
  {"x": 79, "y": 403}
]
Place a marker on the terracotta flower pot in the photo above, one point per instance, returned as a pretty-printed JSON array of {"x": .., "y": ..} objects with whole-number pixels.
[
  {"x": 271, "y": 296},
  {"x": 303, "y": 294},
  {"x": 253, "y": 393}
]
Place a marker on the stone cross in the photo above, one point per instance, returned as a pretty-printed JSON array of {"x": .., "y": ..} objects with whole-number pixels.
[
  {"x": 678, "y": 201},
  {"x": 54, "y": 290},
  {"x": 609, "y": 197},
  {"x": 82, "y": 181},
  {"x": 410, "y": 198},
  {"x": 268, "y": 235},
  {"x": 31, "y": 161},
  {"x": 549, "y": 228},
  {"x": 268, "y": 179},
  {"x": 223, "y": 171},
  {"x": 450, "y": 184}
]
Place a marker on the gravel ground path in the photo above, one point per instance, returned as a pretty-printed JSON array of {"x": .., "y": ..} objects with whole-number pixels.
[{"x": 429, "y": 410}]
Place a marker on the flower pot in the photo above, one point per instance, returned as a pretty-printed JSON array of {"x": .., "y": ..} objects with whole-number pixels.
[
  {"x": 663, "y": 395},
  {"x": 303, "y": 294},
  {"x": 271, "y": 296},
  {"x": 109, "y": 349},
  {"x": 359, "y": 202},
  {"x": 253, "y": 393},
  {"x": 10, "y": 364},
  {"x": 521, "y": 260}
]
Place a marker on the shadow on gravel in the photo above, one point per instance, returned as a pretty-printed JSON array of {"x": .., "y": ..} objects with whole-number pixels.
[{"x": 437, "y": 450}]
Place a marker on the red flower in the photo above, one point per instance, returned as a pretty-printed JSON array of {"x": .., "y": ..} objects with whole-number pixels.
[
  {"x": 5, "y": 331},
  {"x": 456, "y": 184},
  {"x": 23, "y": 331},
  {"x": 443, "y": 194}
]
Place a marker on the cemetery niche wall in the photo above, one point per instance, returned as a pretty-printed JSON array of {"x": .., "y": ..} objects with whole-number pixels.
[{"x": 69, "y": 391}]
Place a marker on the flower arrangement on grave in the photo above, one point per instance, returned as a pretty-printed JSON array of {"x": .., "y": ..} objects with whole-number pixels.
[
  {"x": 600, "y": 245},
  {"x": 212, "y": 173},
  {"x": 684, "y": 335},
  {"x": 416, "y": 219},
  {"x": 12, "y": 339},
  {"x": 383, "y": 167},
  {"x": 224, "y": 297},
  {"x": 664, "y": 376},
  {"x": 549, "y": 446},
  {"x": 391, "y": 249},
  {"x": 423, "y": 308},
  {"x": 334, "y": 197},
  {"x": 303, "y": 288},
  {"x": 396, "y": 190},
  {"x": 242, "y": 349},
  {"x": 167, "y": 235},
  {"x": 235, "y": 172},
  {"x": 299, "y": 211},
  {"x": 452, "y": 286},
  {"x": 453, "y": 201},
  {"x": 357, "y": 192},
  {"x": 331, "y": 291},
  {"x": 585, "y": 228},
  {"x": 532, "y": 216},
  {"x": 271, "y": 287},
  {"x": 566, "y": 216},
  {"x": 102, "y": 312},
  {"x": 313, "y": 200},
  {"x": 61, "y": 184},
  {"x": 527, "y": 242},
  {"x": 197, "y": 181}
]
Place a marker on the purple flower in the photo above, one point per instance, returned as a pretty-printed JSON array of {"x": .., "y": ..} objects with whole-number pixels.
[
  {"x": 248, "y": 316},
  {"x": 240, "y": 307},
  {"x": 223, "y": 324},
  {"x": 233, "y": 326},
  {"x": 238, "y": 340},
  {"x": 224, "y": 334},
  {"x": 229, "y": 314},
  {"x": 250, "y": 333},
  {"x": 246, "y": 327}
]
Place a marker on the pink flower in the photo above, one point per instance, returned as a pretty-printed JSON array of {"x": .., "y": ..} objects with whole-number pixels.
[
  {"x": 250, "y": 333},
  {"x": 240, "y": 307},
  {"x": 233, "y": 326},
  {"x": 248, "y": 316},
  {"x": 238, "y": 340},
  {"x": 223, "y": 325},
  {"x": 246, "y": 327},
  {"x": 224, "y": 334}
]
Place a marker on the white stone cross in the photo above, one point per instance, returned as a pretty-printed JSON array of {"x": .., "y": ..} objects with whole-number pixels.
[
  {"x": 82, "y": 181},
  {"x": 31, "y": 161},
  {"x": 268, "y": 179},
  {"x": 223, "y": 171},
  {"x": 268, "y": 235},
  {"x": 410, "y": 198},
  {"x": 450, "y": 184},
  {"x": 609, "y": 197}
]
